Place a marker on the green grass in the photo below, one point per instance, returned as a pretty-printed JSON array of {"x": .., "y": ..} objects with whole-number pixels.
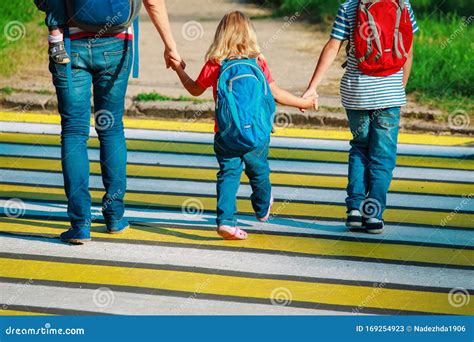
[
  {"x": 11, "y": 90},
  {"x": 7, "y": 90},
  {"x": 318, "y": 10},
  {"x": 442, "y": 67},
  {"x": 22, "y": 35},
  {"x": 154, "y": 96}
]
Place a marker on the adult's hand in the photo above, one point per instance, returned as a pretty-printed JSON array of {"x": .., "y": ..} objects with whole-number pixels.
[
  {"x": 159, "y": 16},
  {"x": 311, "y": 93},
  {"x": 172, "y": 54}
]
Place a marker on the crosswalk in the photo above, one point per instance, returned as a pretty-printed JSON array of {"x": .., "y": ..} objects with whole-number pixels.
[{"x": 303, "y": 261}]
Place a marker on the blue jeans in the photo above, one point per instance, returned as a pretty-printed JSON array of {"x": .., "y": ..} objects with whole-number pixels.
[
  {"x": 372, "y": 157},
  {"x": 228, "y": 181},
  {"x": 103, "y": 64},
  {"x": 56, "y": 15}
]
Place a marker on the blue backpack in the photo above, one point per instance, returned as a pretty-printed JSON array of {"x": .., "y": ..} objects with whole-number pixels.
[
  {"x": 103, "y": 16},
  {"x": 245, "y": 106},
  {"x": 106, "y": 17}
]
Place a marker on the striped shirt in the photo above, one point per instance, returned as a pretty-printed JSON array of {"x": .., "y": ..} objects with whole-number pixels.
[{"x": 360, "y": 91}]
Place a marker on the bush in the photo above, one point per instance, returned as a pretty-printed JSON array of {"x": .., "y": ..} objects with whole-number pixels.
[
  {"x": 318, "y": 10},
  {"x": 432, "y": 7}
]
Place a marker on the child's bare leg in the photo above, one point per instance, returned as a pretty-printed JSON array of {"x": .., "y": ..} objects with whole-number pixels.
[
  {"x": 57, "y": 51},
  {"x": 55, "y": 31}
]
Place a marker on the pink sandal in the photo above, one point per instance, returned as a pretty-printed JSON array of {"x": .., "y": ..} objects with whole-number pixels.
[{"x": 232, "y": 233}]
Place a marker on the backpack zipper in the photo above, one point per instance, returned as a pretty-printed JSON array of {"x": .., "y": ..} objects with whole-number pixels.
[
  {"x": 238, "y": 77},
  {"x": 253, "y": 66}
]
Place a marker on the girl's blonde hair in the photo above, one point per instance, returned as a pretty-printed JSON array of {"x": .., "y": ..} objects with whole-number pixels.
[{"x": 235, "y": 35}]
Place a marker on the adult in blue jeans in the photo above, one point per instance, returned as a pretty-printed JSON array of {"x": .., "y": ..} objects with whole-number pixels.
[
  {"x": 101, "y": 63},
  {"x": 373, "y": 108}
]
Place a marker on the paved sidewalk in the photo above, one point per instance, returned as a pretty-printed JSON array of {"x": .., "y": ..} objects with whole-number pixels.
[{"x": 290, "y": 46}]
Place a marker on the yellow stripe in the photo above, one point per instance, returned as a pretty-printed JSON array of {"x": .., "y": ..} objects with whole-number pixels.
[
  {"x": 169, "y": 172},
  {"x": 21, "y": 313},
  {"x": 276, "y": 153},
  {"x": 404, "y": 138},
  {"x": 215, "y": 284},
  {"x": 284, "y": 244},
  {"x": 413, "y": 216}
]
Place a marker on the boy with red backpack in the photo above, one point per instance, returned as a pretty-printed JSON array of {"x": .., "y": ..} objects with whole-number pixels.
[{"x": 380, "y": 55}]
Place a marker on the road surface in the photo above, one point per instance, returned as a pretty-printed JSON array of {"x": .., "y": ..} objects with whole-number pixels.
[{"x": 304, "y": 261}]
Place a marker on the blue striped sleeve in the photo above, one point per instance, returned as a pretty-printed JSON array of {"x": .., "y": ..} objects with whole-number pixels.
[
  {"x": 342, "y": 27},
  {"x": 414, "y": 24}
]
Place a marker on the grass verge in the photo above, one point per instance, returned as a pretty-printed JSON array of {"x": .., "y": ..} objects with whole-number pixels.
[
  {"x": 23, "y": 36},
  {"x": 154, "y": 96},
  {"x": 442, "y": 73}
]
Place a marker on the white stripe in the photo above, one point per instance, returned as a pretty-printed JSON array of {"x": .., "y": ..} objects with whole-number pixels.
[
  {"x": 208, "y": 138},
  {"x": 199, "y": 188},
  {"x": 396, "y": 232},
  {"x": 250, "y": 262},
  {"x": 172, "y": 159},
  {"x": 125, "y": 303}
]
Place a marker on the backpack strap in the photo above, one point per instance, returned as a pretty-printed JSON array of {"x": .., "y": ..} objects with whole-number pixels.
[
  {"x": 67, "y": 46},
  {"x": 375, "y": 32},
  {"x": 396, "y": 36},
  {"x": 363, "y": 8},
  {"x": 232, "y": 57},
  {"x": 135, "y": 54}
]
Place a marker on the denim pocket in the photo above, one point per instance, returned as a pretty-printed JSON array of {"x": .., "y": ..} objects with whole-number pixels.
[
  {"x": 116, "y": 61},
  {"x": 388, "y": 118},
  {"x": 61, "y": 69}
]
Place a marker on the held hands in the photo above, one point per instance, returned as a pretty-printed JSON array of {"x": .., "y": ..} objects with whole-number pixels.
[
  {"x": 176, "y": 64},
  {"x": 172, "y": 57},
  {"x": 311, "y": 97},
  {"x": 309, "y": 102}
]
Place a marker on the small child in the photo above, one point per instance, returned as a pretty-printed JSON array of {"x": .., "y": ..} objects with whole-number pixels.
[
  {"x": 236, "y": 38},
  {"x": 56, "y": 19}
]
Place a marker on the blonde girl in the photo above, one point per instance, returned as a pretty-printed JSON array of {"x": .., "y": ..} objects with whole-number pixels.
[{"x": 236, "y": 38}]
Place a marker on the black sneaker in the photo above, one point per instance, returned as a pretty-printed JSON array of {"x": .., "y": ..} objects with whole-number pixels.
[
  {"x": 354, "y": 219},
  {"x": 374, "y": 226},
  {"x": 58, "y": 54}
]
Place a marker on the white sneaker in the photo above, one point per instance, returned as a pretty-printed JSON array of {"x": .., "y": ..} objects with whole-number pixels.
[{"x": 354, "y": 219}]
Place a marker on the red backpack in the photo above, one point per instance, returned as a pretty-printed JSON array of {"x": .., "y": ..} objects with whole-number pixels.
[{"x": 383, "y": 35}]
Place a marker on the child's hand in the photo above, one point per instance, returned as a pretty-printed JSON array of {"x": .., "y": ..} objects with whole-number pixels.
[
  {"x": 175, "y": 64},
  {"x": 311, "y": 93},
  {"x": 310, "y": 102}
]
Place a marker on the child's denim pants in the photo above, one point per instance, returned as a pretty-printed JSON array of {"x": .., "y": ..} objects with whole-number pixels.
[
  {"x": 228, "y": 181},
  {"x": 372, "y": 158}
]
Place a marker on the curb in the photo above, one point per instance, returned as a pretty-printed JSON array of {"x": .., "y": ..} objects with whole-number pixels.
[{"x": 327, "y": 117}]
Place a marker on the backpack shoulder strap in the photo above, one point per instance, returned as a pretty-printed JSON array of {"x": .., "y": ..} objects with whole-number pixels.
[
  {"x": 396, "y": 35},
  {"x": 136, "y": 55}
]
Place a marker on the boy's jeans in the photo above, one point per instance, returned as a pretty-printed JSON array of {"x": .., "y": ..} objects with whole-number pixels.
[
  {"x": 228, "y": 181},
  {"x": 372, "y": 158},
  {"x": 55, "y": 12},
  {"x": 104, "y": 64}
]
